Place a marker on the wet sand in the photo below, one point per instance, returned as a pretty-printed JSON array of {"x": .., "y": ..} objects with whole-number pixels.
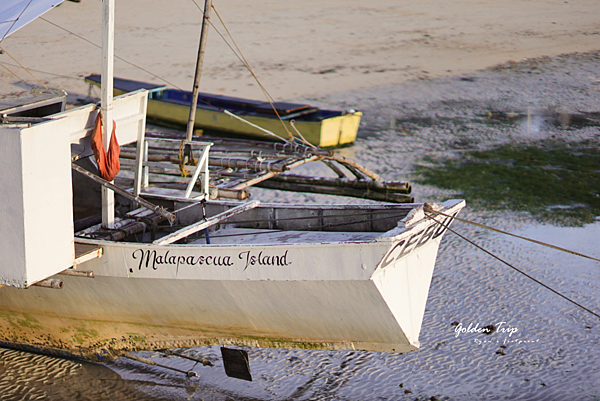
[
  {"x": 552, "y": 354},
  {"x": 543, "y": 346},
  {"x": 26, "y": 376}
]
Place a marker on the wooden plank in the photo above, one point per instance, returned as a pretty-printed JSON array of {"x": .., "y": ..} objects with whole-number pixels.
[
  {"x": 85, "y": 252},
  {"x": 201, "y": 225},
  {"x": 201, "y": 166},
  {"x": 106, "y": 97},
  {"x": 84, "y": 249},
  {"x": 126, "y": 85},
  {"x": 78, "y": 273}
]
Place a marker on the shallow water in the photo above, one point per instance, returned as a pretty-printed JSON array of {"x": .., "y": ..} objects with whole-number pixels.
[{"x": 544, "y": 347}]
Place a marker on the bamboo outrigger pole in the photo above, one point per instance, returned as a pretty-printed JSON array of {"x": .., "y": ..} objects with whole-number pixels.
[
  {"x": 202, "y": 47},
  {"x": 108, "y": 39}
]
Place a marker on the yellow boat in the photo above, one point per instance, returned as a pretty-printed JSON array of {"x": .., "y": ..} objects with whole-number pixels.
[{"x": 171, "y": 107}]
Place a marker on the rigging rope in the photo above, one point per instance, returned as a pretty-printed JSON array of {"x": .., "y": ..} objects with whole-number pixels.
[
  {"x": 172, "y": 84},
  {"x": 510, "y": 265},
  {"x": 117, "y": 57},
  {"x": 18, "y": 77},
  {"x": 23, "y": 67},
  {"x": 243, "y": 60},
  {"x": 40, "y": 71},
  {"x": 267, "y": 95},
  {"x": 230, "y": 114},
  {"x": 292, "y": 123}
]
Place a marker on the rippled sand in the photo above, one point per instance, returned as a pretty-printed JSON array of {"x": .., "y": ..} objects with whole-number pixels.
[
  {"x": 553, "y": 355},
  {"x": 27, "y": 376}
]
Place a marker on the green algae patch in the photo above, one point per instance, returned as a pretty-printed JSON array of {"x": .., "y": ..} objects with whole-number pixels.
[
  {"x": 82, "y": 334},
  {"x": 9, "y": 317},
  {"x": 29, "y": 322},
  {"x": 20, "y": 320},
  {"x": 557, "y": 182}
]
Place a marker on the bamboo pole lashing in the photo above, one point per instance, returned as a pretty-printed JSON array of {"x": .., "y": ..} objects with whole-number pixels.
[
  {"x": 78, "y": 273},
  {"x": 53, "y": 283},
  {"x": 276, "y": 146},
  {"x": 342, "y": 160},
  {"x": 220, "y": 162}
]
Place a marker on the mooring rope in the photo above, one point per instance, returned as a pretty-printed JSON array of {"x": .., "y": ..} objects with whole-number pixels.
[
  {"x": 508, "y": 264},
  {"x": 515, "y": 235}
]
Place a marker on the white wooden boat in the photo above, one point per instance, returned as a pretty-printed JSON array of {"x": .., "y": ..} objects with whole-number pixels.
[
  {"x": 334, "y": 277},
  {"x": 308, "y": 276},
  {"x": 318, "y": 276}
]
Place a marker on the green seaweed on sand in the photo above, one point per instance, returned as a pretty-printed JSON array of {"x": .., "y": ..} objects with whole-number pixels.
[{"x": 555, "y": 181}]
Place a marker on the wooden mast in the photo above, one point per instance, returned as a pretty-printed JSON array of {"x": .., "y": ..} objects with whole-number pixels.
[
  {"x": 108, "y": 36},
  {"x": 203, "y": 37}
]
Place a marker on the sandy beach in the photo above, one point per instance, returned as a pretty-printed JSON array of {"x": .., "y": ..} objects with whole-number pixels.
[{"x": 297, "y": 49}]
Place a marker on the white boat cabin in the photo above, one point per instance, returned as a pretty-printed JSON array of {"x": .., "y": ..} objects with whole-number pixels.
[{"x": 36, "y": 234}]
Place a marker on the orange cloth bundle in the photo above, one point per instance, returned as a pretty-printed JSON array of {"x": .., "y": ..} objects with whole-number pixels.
[{"x": 108, "y": 163}]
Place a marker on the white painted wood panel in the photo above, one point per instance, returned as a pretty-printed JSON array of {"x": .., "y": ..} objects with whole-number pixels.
[{"x": 36, "y": 209}]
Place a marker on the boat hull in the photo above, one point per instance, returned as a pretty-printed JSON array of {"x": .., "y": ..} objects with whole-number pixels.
[
  {"x": 340, "y": 295},
  {"x": 332, "y": 130}
]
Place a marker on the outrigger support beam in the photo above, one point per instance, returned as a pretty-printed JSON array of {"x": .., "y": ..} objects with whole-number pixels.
[{"x": 156, "y": 209}]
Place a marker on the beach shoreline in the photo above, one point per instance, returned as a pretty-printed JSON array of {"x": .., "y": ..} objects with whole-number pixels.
[{"x": 297, "y": 50}]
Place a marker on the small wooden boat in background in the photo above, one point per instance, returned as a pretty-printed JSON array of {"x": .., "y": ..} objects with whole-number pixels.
[{"x": 171, "y": 107}]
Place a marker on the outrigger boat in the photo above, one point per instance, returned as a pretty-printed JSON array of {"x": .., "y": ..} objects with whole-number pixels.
[
  {"x": 324, "y": 277},
  {"x": 170, "y": 107},
  {"x": 168, "y": 266}
]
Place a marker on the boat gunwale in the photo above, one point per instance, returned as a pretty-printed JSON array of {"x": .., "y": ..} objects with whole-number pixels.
[{"x": 385, "y": 236}]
